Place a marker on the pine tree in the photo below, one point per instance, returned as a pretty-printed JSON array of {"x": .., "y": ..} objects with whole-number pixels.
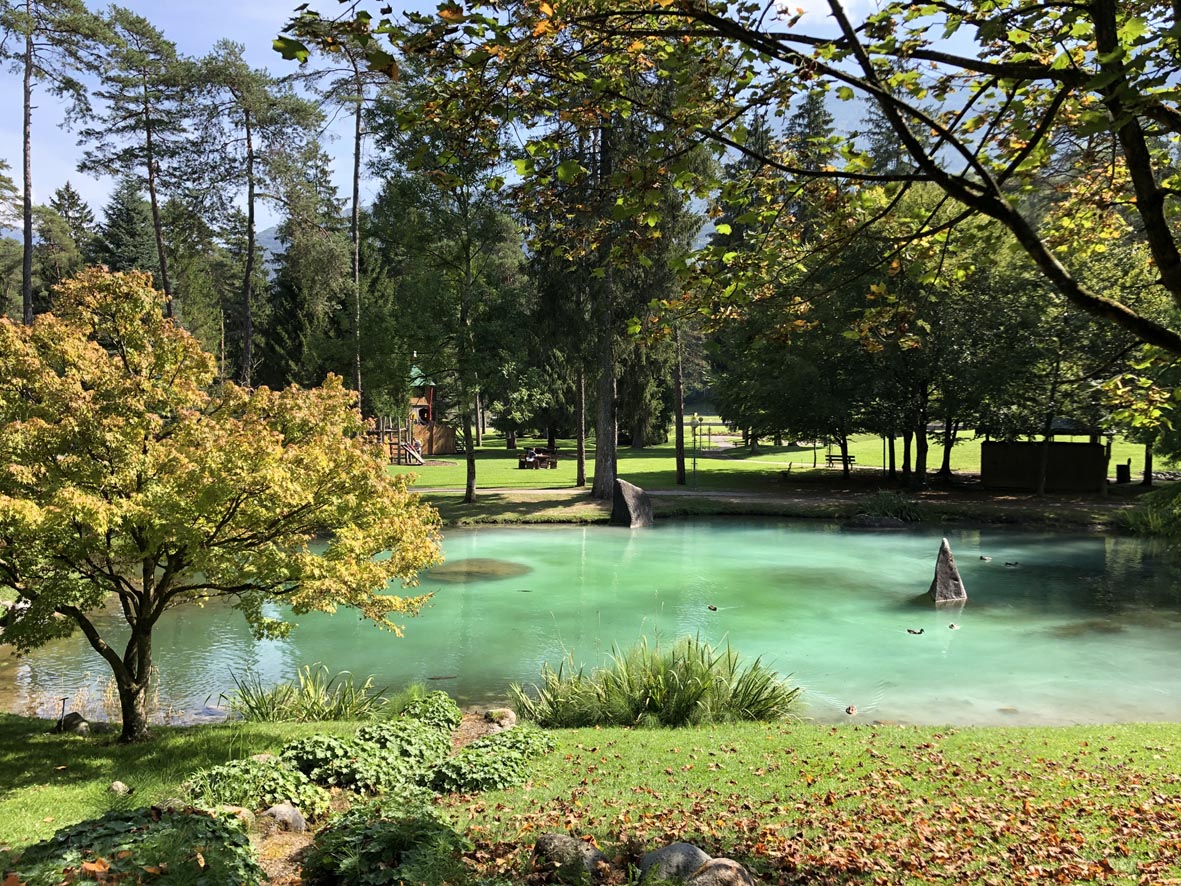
[
  {"x": 77, "y": 215},
  {"x": 141, "y": 130},
  {"x": 49, "y": 41},
  {"x": 125, "y": 240}
]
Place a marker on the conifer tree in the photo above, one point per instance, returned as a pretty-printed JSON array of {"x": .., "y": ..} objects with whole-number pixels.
[{"x": 141, "y": 129}]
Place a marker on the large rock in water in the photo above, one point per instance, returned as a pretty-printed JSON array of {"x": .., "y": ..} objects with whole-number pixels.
[
  {"x": 630, "y": 505},
  {"x": 947, "y": 586}
]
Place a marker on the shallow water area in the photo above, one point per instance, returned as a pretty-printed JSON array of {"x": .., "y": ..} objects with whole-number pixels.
[{"x": 1082, "y": 629}]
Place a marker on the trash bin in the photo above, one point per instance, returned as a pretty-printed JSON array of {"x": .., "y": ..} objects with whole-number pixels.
[{"x": 1123, "y": 473}]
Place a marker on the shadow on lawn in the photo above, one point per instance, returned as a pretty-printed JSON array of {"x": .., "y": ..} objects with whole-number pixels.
[{"x": 33, "y": 757}]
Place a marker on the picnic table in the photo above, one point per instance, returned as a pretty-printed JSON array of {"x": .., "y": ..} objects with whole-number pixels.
[{"x": 541, "y": 459}]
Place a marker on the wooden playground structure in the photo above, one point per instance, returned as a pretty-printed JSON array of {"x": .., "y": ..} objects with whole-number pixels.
[{"x": 413, "y": 439}]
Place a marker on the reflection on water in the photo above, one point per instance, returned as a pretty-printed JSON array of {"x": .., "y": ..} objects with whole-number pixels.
[{"x": 1083, "y": 629}]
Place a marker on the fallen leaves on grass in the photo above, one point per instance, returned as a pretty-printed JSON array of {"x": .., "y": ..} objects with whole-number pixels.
[{"x": 1003, "y": 819}]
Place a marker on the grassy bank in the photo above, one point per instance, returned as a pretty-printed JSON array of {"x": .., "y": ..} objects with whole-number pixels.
[
  {"x": 808, "y": 804},
  {"x": 796, "y": 802}
]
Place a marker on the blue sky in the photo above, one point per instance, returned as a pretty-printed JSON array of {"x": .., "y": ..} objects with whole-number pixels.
[{"x": 194, "y": 26}]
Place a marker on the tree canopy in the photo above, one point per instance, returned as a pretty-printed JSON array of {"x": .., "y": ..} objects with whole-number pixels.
[{"x": 982, "y": 96}]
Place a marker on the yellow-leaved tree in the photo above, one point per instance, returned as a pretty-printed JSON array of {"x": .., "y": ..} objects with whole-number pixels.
[{"x": 132, "y": 478}]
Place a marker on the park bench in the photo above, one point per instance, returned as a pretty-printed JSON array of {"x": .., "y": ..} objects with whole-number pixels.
[{"x": 831, "y": 460}]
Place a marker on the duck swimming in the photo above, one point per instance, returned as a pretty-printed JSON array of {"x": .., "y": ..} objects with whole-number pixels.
[{"x": 913, "y": 631}]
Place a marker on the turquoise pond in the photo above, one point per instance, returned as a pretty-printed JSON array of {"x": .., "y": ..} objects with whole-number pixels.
[{"x": 1084, "y": 628}]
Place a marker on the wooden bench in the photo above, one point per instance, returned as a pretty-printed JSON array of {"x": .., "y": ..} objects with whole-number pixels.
[{"x": 831, "y": 460}]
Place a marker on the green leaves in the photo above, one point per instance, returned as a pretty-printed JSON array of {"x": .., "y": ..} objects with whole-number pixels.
[{"x": 569, "y": 170}]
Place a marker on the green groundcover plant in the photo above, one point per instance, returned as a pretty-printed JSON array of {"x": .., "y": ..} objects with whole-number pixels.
[{"x": 142, "y": 845}]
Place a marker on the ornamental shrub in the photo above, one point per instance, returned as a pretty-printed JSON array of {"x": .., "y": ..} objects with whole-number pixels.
[
  {"x": 526, "y": 740},
  {"x": 257, "y": 784},
  {"x": 142, "y": 845},
  {"x": 687, "y": 683},
  {"x": 422, "y": 745},
  {"x": 313, "y": 751},
  {"x": 480, "y": 768},
  {"x": 435, "y": 709},
  {"x": 368, "y": 846}
]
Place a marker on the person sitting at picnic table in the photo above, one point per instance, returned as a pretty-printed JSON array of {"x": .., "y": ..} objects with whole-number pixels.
[{"x": 531, "y": 457}]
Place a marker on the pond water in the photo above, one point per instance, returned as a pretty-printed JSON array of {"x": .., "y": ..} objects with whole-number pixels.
[{"x": 1083, "y": 628}]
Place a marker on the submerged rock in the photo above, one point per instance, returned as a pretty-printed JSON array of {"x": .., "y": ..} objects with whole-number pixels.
[
  {"x": 477, "y": 569},
  {"x": 946, "y": 586}
]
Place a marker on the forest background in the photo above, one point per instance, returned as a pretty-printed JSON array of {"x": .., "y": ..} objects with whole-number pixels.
[{"x": 561, "y": 281}]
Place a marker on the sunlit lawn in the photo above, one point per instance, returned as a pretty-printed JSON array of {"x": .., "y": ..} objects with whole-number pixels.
[{"x": 722, "y": 463}]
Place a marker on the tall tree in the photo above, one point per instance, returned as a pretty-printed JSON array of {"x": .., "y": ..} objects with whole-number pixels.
[
  {"x": 140, "y": 129},
  {"x": 48, "y": 42},
  {"x": 311, "y": 278},
  {"x": 346, "y": 81},
  {"x": 243, "y": 118}
]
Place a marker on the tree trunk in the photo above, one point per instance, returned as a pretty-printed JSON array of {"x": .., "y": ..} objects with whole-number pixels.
[
  {"x": 479, "y": 413},
  {"x": 1147, "y": 481},
  {"x": 247, "y": 367},
  {"x": 580, "y": 427},
  {"x": 133, "y": 707},
  {"x": 469, "y": 488},
  {"x": 639, "y": 435},
  {"x": 153, "y": 200},
  {"x": 906, "y": 440},
  {"x": 1047, "y": 429},
  {"x": 355, "y": 230},
  {"x": 510, "y": 439},
  {"x": 843, "y": 442},
  {"x": 606, "y": 423},
  {"x": 754, "y": 443},
  {"x": 893, "y": 458},
  {"x": 551, "y": 437},
  {"x": 948, "y": 445},
  {"x": 27, "y": 197},
  {"x": 679, "y": 409}
]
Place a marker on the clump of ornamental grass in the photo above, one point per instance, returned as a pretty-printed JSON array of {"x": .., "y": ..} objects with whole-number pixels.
[{"x": 688, "y": 683}]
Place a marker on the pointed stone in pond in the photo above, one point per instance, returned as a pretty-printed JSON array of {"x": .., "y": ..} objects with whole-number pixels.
[
  {"x": 630, "y": 506},
  {"x": 947, "y": 586}
]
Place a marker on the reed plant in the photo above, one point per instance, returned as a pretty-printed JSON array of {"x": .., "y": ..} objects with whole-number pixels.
[
  {"x": 688, "y": 683},
  {"x": 317, "y": 695}
]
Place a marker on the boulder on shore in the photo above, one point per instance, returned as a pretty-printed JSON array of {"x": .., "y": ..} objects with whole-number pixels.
[
  {"x": 676, "y": 861},
  {"x": 946, "y": 586},
  {"x": 630, "y": 506}
]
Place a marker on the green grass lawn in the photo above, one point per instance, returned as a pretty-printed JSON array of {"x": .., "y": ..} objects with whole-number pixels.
[
  {"x": 726, "y": 468},
  {"x": 809, "y": 804},
  {"x": 796, "y": 802},
  {"x": 49, "y": 781}
]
